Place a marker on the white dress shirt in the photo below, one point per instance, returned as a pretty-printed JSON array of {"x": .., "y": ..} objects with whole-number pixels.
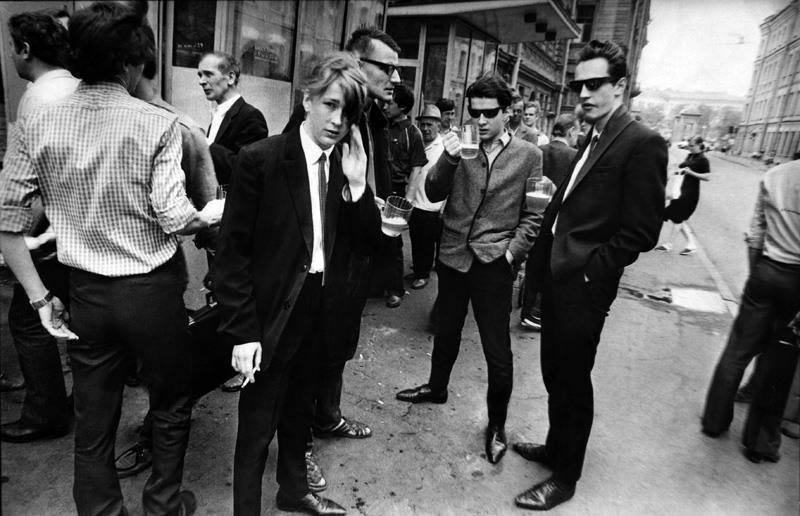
[
  {"x": 575, "y": 171},
  {"x": 313, "y": 152},
  {"x": 416, "y": 183},
  {"x": 218, "y": 114},
  {"x": 49, "y": 87}
]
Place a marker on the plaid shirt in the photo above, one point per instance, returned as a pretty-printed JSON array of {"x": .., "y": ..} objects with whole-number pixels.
[{"x": 107, "y": 167}]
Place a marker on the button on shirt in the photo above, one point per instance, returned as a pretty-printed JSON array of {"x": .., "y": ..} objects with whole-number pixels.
[
  {"x": 313, "y": 152},
  {"x": 107, "y": 167},
  {"x": 218, "y": 114}
]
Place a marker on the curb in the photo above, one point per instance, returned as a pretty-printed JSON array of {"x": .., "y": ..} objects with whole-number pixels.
[{"x": 731, "y": 303}]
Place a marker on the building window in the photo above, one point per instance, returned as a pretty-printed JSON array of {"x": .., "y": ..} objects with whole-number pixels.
[
  {"x": 435, "y": 61},
  {"x": 264, "y": 37},
  {"x": 585, "y": 17},
  {"x": 363, "y": 13},
  {"x": 406, "y": 34},
  {"x": 194, "y": 32},
  {"x": 320, "y": 33}
]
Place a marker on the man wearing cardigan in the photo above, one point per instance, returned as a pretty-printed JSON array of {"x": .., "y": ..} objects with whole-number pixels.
[{"x": 488, "y": 230}]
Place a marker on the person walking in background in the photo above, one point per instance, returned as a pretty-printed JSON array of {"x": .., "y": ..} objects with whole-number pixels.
[
  {"x": 694, "y": 169},
  {"x": 39, "y": 46},
  {"x": 425, "y": 224},
  {"x": 406, "y": 158},
  {"x": 296, "y": 193},
  {"x": 107, "y": 167},
  {"x": 515, "y": 125},
  {"x": 600, "y": 219},
  {"x": 448, "y": 110},
  {"x": 488, "y": 229},
  {"x": 557, "y": 156},
  {"x": 771, "y": 295},
  {"x": 234, "y": 122},
  {"x": 531, "y": 118}
]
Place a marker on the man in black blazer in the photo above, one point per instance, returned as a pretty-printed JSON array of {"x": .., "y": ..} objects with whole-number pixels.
[
  {"x": 607, "y": 211},
  {"x": 289, "y": 237},
  {"x": 235, "y": 123},
  {"x": 557, "y": 157}
]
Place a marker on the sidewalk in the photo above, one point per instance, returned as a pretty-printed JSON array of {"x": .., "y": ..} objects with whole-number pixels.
[
  {"x": 757, "y": 164},
  {"x": 646, "y": 454}
]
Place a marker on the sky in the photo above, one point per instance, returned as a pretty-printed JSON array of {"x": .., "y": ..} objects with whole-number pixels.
[{"x": 703, "y": 45}]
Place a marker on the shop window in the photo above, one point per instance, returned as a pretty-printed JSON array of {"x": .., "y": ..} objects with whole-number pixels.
[
  {"x": 458, "y": 79},
  {"x": 475, "y": 59},
  {"x": 264, "y": 37},
  {"x": 406, "y": 34},
  {"x": 364, "y": 13},
  {"x": 320, "y": 34},
  {"x": 435, "y": 61},
  {"x": 194, "y": 32},
  {"x": 489, "y": 56}
]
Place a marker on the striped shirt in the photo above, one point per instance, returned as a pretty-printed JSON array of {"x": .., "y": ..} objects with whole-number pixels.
[{"x": 107, "y": 167}]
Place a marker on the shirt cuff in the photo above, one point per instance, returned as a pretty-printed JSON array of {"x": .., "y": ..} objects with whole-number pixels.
[
  {"x": 15, "y": 219},
  {"x": 450, "y": 159},
  {"x": 177, "y": 216},
  {"x": 353, "y": 193}
]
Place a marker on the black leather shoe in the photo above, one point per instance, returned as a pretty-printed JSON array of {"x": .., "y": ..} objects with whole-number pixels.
[
  {"x": 188, "y": 503},
  {"x": 544, "y": 496},
  {"x": 495, "y": 444},
  {"x": 422, "y": 394},
  {"x": 534, "y": 452},
  {"x": 21, "y": 432},
  {"x": 309, "y": 504}
]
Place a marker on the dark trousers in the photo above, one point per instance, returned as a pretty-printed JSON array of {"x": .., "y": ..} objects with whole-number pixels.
[
  {"x": 531, "y": 297},
  {"x": 771, "y": 295},
  {"x": 388, "y": 270},
  {"x": 772, "y": 382},
  {"x": 144, "y": 316},
  {"x": 264, "y": 407},
  {"x": 45, "y": 394},
  {"x": 488, "y": 286},
  {"x": 573, "y": 315},
  {"x": 425, "y": 229}
]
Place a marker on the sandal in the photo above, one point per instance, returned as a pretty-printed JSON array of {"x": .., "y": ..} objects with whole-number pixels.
[
  {"x": 348, "y": 429},
  {"x": 133, "y": 461},
  {"x": 688, "y": 252}
]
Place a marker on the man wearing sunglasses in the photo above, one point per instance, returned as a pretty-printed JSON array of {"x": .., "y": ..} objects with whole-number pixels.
[
  {"x": 488, "y": 230},
  {"x": 607, "y": 211}
]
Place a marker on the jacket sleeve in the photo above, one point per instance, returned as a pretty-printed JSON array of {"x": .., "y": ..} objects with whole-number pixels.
[
  {"x": 234, "y": 280},
  {"x": 439, "y": 182},
  {"x": 253, "y": 129},
  {"x": 529, "y": 220},
  {"x": 642, "y": 211},
  {"x": 201, "y": 182}
]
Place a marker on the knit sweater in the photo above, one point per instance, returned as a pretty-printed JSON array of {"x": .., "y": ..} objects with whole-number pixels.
[{"x": 486, "y": 212}]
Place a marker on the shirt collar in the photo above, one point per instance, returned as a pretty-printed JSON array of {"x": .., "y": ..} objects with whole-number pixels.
[
  {"x": 433, "y": 143},
  {"x": 503, "y": 140},
  {"x": 53, "y": 74},
  {"x": 311, "y": 150},
  {"x": 223, "y": 107}
]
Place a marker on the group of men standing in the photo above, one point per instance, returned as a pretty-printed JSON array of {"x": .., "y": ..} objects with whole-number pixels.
[{"x": 292, "y": 317}]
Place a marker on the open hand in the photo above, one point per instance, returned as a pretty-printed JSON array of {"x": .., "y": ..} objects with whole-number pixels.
[
  {"x": 354, "y": 158},
  {"x": 54, "y": 318}
]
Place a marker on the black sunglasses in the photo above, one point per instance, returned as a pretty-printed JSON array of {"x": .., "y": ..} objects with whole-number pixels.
[
  {"x": 387, "y": 68},
  {"x": 488, "y": 113},
  {"x": 591, "y": 84}
]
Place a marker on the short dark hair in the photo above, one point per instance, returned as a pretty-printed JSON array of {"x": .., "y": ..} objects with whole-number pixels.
[
  {"x": 491, "y": 86},
  {"x": 360, "y": 41},
  {"x": 105, "y": 37},
  {"x": 403, "y": 97},
  {"x": 563, "y": 124},
  {"x": 698, "y": 140},
  {"x": 227, "y": 64},
  {"x": 611, "y": 52},
  {"x": 47, "y": 38},
  {"x": 445, "y": 104}
]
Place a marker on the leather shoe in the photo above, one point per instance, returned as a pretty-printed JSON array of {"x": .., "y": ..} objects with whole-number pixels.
[
  {"x": 422, "y": 394},
  {"x": 544, "y": 496},
  {"x": 7, "y": 385},
  {"x": 393, "y": 301},
  {"x": 495, "y": 444},
  {"x": 188, "y": 503},
  {"x": 21, "y": 432},
  {"x": 309, "y": 504},
  {"x": 534, "y": 452}
]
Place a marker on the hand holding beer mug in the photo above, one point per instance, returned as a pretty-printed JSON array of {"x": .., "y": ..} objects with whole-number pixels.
[
  {"x": 469, "y": 141},
  {"x": 539, "y": 192},
  {"x": 395, "y": 213}
]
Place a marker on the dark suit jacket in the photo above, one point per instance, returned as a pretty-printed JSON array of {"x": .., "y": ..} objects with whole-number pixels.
[
  {"x": 242, "y": 124},
  {"x": 615, "y": 208},
  {"x": 267, "y": 236},
  {"x": 556, "y": 160}
]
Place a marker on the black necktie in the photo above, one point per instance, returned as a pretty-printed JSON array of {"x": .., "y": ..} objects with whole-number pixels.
[
  {"x": 322, "y": 190},
  {"x": 593, "y": 143}
]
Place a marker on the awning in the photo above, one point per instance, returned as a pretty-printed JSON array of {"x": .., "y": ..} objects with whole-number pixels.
[{"x": 509, "y": 21}]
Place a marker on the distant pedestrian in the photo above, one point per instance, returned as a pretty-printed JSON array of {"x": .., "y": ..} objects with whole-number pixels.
[
  {"x": 771, "y": 295},
  {"x": 694, "y": 168},
  {"x": 448, "y": 110},
  {"x": 425, "y": 224}
]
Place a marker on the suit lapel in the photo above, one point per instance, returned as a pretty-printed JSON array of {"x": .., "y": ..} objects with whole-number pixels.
[
  {"x": 296, "y": 173},
  {"x": 616, "y": 124},
  {"x": 332, "y": 202},
  {"x": 226, "y": 120}
]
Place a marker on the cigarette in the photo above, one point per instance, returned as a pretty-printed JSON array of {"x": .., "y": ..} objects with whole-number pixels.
[{"x": 245, "y": 382}]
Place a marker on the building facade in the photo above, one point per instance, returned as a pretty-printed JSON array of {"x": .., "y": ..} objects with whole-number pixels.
[{"x": 771, "y": 124}]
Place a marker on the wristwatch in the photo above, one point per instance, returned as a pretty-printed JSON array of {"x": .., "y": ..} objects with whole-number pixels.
[{"x": 38, "y": 303}]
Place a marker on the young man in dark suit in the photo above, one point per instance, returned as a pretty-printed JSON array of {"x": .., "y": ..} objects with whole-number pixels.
[
  {"x": 606, "y": 212},
  {"x": 293, "y": 193},
  {"x": 235, "y": 123}
]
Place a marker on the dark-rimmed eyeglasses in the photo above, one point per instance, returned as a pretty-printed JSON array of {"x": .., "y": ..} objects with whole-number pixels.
[
  {"x": 591, "y": 84},
  {"x": 487, "y": 113},
  {"x": 387, "y": 68}
]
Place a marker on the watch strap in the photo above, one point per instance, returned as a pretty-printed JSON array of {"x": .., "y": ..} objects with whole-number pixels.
[{"x": 39, "y": 303}]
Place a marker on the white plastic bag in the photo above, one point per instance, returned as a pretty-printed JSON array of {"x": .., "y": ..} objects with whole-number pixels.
[{"x": 674, "y": 183}]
